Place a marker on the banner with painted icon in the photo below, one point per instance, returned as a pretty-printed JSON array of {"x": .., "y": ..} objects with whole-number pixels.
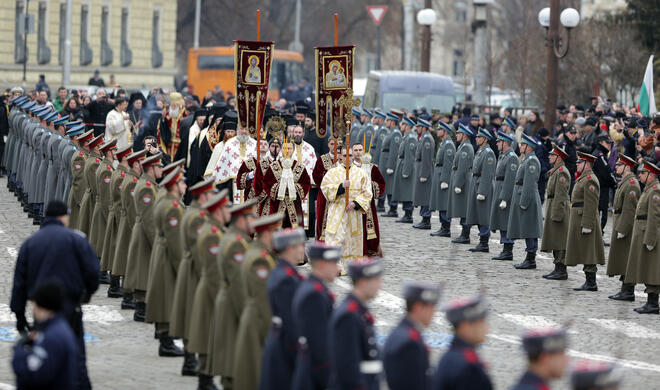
[
  {"x": 334, "y": 78},
  {"x": 252, "y": 63}
]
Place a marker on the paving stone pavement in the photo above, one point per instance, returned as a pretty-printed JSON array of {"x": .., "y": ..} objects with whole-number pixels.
[{"x": 123, "y": 353}]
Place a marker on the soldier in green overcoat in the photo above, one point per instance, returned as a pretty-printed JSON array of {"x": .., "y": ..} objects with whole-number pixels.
[
  {"x": 505, "y": 179},
  {"x": 460, "y": 179},
  {"x": 526, "y": 215},
  {"x": 255, "y": 318},
  {"x": 143, "y": 234},
  {"x": 584, "y": 243},
  {"x": 557, "y": 211},
  {"x": 103, "y": 198},
  {"x": 404, "y": 174},
  {"x": 423, "y": 173},
  {"x": 644, "y": 256},
  {"x": 230, "y": 299},
  {"x": 480, "y": 190},
  {"x": 114, "y": 213},
  {"x": 78, "y": 173},
  {"x": 388, "y": 159},
  {"x": 208, "y": 246},
  {"x": 625, "y": 205},
  {"x": 126, "y": 222},
  {"x": 441, "y": 178},
  {"x": 189, "y": 270},
  {"x": 165, "y": 257},
  {"x": 89, "y": 197}
]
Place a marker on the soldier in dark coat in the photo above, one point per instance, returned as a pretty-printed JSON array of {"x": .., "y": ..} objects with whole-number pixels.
[
  {"x": 406, "y": 356},
  {"x": 604, "y": 175},
  {"x": 625, "y": 205},
  {"x": 423, "y": 173},
  {"x": 440, "y": 191},
  {"x": 643, "y": 264},
  {"x": 558, "y": 209},
  {"x": 505, "y": 178},
  {"x": 480, "y": 190},
  {"x": 367, "y": 135},
  {"x": 354, "y": 354},
  {"x": 526, "y": 215},
  {"x": 460, "y": 179},
  {"x": 387, "y": 162},
  {"x": 312, "y": 308},
  {"x": 546, "y": 354},
  {"x": 278, "y": 360},
  {"x": 405, "y": 170},
  {"x": 460, "y": 367},
  {"x": 590, "y": 375}
]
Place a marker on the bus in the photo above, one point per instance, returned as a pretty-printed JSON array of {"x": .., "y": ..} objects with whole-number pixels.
[
  {"x": 211, "y": 66},
  {"x": 409, "y": 90}
]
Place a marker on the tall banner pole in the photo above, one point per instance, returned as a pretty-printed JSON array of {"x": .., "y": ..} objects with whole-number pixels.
[
  {"x": 336, "y": 17},
  {"x": 258, "y": 124}
]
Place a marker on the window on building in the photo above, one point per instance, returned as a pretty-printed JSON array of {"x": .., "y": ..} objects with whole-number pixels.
[
  {"x": 125, "y": 53},
  {"x": 86, "y": 53},
  {"x": 156, "y": 53},
  {"x": 62, "y": 38},
  {"x": 458, "y": 64},
  {"x": 460, "y": 12},
  {"x": 106, "y": 50},
  {"x": 43, "y": 51},
  {"x": 19, "y": 45}
]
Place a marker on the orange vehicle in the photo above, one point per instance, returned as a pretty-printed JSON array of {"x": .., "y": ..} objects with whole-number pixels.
[{"x": 211, "y": 66}]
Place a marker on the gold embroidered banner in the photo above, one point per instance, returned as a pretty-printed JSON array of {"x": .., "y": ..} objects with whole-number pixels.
[
  {"x": 334, "y": 78},
  {"x": 252, "y": 63}
]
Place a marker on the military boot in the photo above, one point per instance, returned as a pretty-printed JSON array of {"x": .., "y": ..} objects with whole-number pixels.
[
  {"x": 589, "y": 283},
  {"x": 424, "y": 225},
  {"x": 559, "y": 273},
  {"x": 464, "y": 238},
  {"x": 380, "y": 207},
  {"x": 104, "y": 277},
  {"x": 167, "y": 347},
  {"x": 407, "y": 217},
  {"x": 206, "y": 383},
  {"x": 627, "y": 293},
  {"x": 482, "y": 246},
  {"x": 444, "y": 231},
  {"x": 140, "y": 311},
  {"x": 528, "y": 263},
  {"x": 392, "y": 213},
  {"x": 506, "y": 254},
  {"x": 127, "y": 303},
  {"x": 189, "y": 364},
  {"x": 114, "y": 291},
  {"x": 651, "y": 306}
]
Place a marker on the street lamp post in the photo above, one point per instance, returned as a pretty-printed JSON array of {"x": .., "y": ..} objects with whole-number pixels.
[
  {"x": 426, "y": 18},
  {"x": 549, "y": 18},
  {"x": 480, "y": 31}
]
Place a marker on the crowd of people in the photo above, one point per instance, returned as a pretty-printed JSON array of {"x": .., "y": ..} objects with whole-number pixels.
[{"x": 199, "y": 227}]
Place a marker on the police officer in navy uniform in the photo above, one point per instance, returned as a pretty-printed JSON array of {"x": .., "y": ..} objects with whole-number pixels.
[
  {"x": 48, "y": 357},
  {"x": 590, "y": 375},
  {"x": 353, "y": 351},
  {"x": 460, "y": 367},
  {"x": 57, "y": 252},
  {"x": 406, "y": 356},
  {"x": 312, "y": 308},
  {"x": 546, "y": 354},
  {"x": 279, "y": 354}
]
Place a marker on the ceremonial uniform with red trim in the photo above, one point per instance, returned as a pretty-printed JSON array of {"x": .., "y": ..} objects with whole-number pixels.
[
  {"x": 127, "y": 217},
  {"x": 587, "y": 249},
  {"x": 625, "y": 205},
  {"x": 114, "y": 215},
  {"x": 531, "y": 381},
  {"x": 89, "y": 197},
  {"x": 461, "y": 369},
  {"x": 77, "y": 186},
  {"x": 406, "y": 358},
  {"x": 644, "y": 263},
  {"x": 292, "y": 209},
  {"x": 102, "y": 205}
]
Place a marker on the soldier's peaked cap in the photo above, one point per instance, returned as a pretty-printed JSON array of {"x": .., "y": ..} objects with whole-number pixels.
[
  {"x": 96, "y": 141},
  {"x": 151, "y": 160},
  {"x": 320, "y": 251},
  {"x": 626, "y": 160},
  {"x": 286, "y": 238},
  {"x": 135, "y": 156},
  {"x": 86, "y": 135},
  {"x": 423, "y": 123},
  {"x": 529, "y": 141},
  {"x": 409, "y": 121},
  {"x": 502, "y": 136},
  {"x": 509, "y": 122},
  {"x": 108, "y": 145},
  {"x": 422, "y": 292},
  {"x": 649, "y": 166},
  {"x": 125, "y": 151},
  {"x": 249, "y": 207},
  {"x": 586, "y": 157},
  {"x": 73, "y": 124},
  {"x": 465, "y": 130},
  {"x": 485, "y": 133},
  {"x": 556, "y": 149},
  {"x": 586, "y": 374},
  {"x": 445, "y": 126},
  {"x": 61, "y": 121},
  {"x": 28, "y": 105},
  {"x": 379, "y": 114},
  {"x": 216, "y": 201},
  {"x": 548, "y": 340},
  {"x": 269, "y": 222},
  {"x": 367, "y": 113},
  {"x": 75, "y": 131},
  {"x": 203, "y": 186},
  {"x": 172, "y": 178},
  {"x": 52, "y": 117},
  {"x": 392, "y": 117},
  {"x": 466, "y": 309},
  {"x": 365, "y": 268},
  {"x": 356, "y": 111},
  {"x": 170, "y": 167},
  {"x": 19, "y": 99}
]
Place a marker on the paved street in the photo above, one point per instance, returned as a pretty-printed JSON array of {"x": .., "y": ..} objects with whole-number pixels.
[{"x": 123, "y": 354}]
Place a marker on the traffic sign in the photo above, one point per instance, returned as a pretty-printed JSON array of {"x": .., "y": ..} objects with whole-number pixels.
[{"x": 376, "y": 12}]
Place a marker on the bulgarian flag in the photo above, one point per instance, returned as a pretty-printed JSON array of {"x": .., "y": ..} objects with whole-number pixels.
[{"x": 646, "y": 98}]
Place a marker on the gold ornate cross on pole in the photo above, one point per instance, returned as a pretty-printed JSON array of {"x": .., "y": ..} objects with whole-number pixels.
[{"x": 346, "y": 103}]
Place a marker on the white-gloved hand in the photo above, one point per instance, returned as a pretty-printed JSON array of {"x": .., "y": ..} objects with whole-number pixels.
[
  {"x": 620, "y": 235},
  {"x": 404, "y": 176},
  {"x": 586, "y": 230},
  {"x": 523, "y": 207},
  {"x": 4, "y": 138},
  {"x": 422, "y": 180},
  {"x": 250, "y": 176},
  {"x": 480, "y": 197},
  {"x": 503, "y": 204},
  {"x": 444, "y": 186},
  {"x": 389, "y": 171},
  {"x": 650, "y": 247},
  {"x": 457, "y": 190}
]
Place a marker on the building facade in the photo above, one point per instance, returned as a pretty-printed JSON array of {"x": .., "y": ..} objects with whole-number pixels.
[{"x": 133, "y": 40}]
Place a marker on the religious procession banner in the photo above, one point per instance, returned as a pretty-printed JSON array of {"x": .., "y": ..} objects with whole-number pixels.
[
  {"x": 334, "y": 78},
  {"x": 252, "y": 63}
]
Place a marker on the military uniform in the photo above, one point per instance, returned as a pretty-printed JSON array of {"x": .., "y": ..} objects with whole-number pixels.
[
  {"x": 78, "y": 162},
  {"x": 460, "y": 179},
  {"x": 505, "y": 178},
  {"x": 366, "y": 136},
  {"x": 89, "y": 198},
  {"x": 440, "y": 191},
  {"x": 625, "y": 205},
  {"x": 480, "y": 191},
  {"x": 388, "y": 161},
  {"x": 423, "y": 175},
  {"x": 404, "y": 175},
  {"x": 102, "y": 206}
]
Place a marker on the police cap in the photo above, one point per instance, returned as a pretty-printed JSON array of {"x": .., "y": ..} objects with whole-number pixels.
[
  {"x": 591, "y": 375},
  {"x": 466, "y": 309},
  {"x": 538, "y": 341},
  {"x": 289, "y": 237},
  {"x": 216, "y": 201},
  {"x": 320, "y": 251},
  {"x": 421, "y": 292},
  {"x": 365, "y": 268}
]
